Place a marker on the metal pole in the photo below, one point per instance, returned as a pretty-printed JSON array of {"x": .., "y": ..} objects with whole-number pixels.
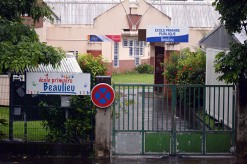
[
  {"x": 25, "y": 127},
  {"x": 143, "y": 110},
  {"x": 113, "y": 123},
  {"x": 204, "y": 121},
  {"x": 234, "y": 114},
  {"x": 11, "y": 105},
  {"x": 173, "y": 150}
]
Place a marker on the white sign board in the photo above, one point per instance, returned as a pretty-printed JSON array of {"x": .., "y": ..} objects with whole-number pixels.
[
  {"x": 58, "y": 83},
  {"x": 167, "y": 34}
]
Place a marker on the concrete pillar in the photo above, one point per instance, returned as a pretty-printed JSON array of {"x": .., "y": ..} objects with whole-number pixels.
[
  {"x": 102, "y": 133},
  {"x": 103, "y": 125}
]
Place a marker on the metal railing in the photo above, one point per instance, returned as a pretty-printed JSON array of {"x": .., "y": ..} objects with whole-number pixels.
[
  {"x": 179, "y": 110},
  {"x": 26, "y": 133}
]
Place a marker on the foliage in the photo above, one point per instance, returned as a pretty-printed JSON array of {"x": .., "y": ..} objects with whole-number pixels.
[
  {"x": 96, "y": 66},
  {"x": 19, "y": 44},
  {"x": 232, "y": 66},
  {"x": 74, "y": 129},
  {"x": 145, "y": 69},
  {"x": 82, "y": 120},
  {"x": 15, "y": 32},
  {"x": 192, "y": 69},
  {"x": 24, "y": 54},
  {"x": 185, "y": 67},
  {"x": 233, "y": 14},
  {"x": 13, "y": 10},
  {"x": 226, "y": 63},
  {"x": 170, "y": 65},
  {"x": 3, "y": 122}
]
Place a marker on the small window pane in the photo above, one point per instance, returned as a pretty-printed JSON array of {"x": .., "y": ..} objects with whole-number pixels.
[
  {"x": 137, "y": 61},
  {"x": 131, "y": 43},
  {"x": 115, "y": 62},
  {"x": 125, "y": 43},
  {"x": 137, "y": 51},
  {"x": 131, "y": 51},
  {"x": 137, "y": 43}
]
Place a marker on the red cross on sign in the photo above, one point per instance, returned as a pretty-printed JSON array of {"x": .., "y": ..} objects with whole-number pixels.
[{"x": 102, "y": 95}]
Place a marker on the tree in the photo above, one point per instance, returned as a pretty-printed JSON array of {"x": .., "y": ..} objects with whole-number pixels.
[
  {"x": 12, "y": 10},
  {"x": 233, "y": 65},
  {"x": 19, "y": 44}
]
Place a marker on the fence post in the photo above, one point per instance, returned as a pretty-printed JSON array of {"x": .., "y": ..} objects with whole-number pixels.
[
  {"x": 11, "y": 106},
  {"x": 204, "y": 121},
  {"x": 25, "y": 126},
  {"x": 174, "y": 144},
  {"x": 103, "y": 126},
  {"x": 143, "y": 116}
]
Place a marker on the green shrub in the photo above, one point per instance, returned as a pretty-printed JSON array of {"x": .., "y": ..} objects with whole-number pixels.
[
  {"x": 94, "y": 65},
  {"x": 3, "y": 122},
  {"x": 185, "y": 67},
  {"x": 145, "y": 68},
  {"x": 170, "y": 66},
  {"x": 192, "y": 69}
]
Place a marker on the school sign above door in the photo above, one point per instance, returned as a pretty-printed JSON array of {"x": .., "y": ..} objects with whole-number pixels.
[
  {"x": 167, "y": 34},
  {"x": 58, "y": 83}
]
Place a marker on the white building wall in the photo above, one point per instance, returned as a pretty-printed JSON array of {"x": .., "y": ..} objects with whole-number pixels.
[
  {"x": 74, "y": 37},
  {"x": 112, "y": 22},
  {"x": 219, "y": 100}
]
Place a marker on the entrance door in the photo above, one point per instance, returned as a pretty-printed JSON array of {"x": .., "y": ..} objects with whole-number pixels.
[{"x": 159, "y": 69}]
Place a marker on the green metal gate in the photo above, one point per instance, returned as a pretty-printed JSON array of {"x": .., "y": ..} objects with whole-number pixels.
[{"x": 173, "y": 119}]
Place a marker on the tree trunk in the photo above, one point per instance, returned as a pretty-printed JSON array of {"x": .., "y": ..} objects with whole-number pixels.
[{"x": 241, "y": 120}]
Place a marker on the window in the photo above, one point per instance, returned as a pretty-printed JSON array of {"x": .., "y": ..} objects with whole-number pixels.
[
  {"x": 136, "y": 48},
  {"x": 116, "y": 55}
]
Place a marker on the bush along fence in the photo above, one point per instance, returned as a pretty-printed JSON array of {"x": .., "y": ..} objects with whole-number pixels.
[{"x": 39, "y": 125}]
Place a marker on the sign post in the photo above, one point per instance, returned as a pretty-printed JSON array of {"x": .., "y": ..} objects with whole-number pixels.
[{"x": 102, "y": 96}]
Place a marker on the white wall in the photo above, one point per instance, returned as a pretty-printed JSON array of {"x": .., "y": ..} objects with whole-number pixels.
[{"x": 219, "y": 100}]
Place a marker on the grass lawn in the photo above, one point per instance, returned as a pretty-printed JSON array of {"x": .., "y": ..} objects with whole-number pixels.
[
  {"x": 35, "y": 131},
  {"x": 133, "y": 78}
]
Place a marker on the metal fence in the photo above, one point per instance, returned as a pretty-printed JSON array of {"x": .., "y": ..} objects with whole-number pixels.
[
  {"x": 26, "y": 132},
  {"x": 173, "y": 119}
]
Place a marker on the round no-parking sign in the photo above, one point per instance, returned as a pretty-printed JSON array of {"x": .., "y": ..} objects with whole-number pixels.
[{"x": 102, "y": 95}]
